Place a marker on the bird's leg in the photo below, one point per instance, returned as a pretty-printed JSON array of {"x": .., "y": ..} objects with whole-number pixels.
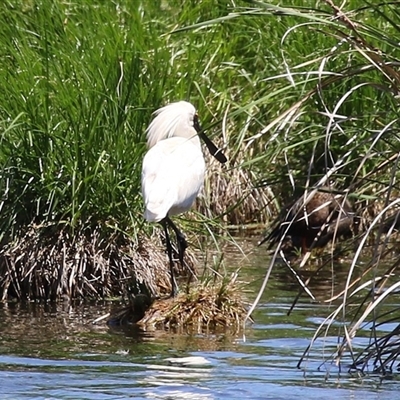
[
  {"x": 181, "y": 240},
  {"x": 174, "y": 286},
  {"x": 303, "y": 245},
  {"x": 182, "y": 246}
]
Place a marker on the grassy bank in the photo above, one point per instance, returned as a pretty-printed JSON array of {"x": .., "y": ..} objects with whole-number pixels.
[{"x": 80, "y": 82}]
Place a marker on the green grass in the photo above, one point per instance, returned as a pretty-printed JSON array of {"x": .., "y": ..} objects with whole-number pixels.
[
  {"x": 78, "y": 138},
  {"x": 79, "y": 84}
]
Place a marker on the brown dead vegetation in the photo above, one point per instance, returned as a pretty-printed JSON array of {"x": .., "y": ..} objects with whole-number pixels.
[
  {"x": 212, "y": 305},
  {"x": 46, "y": 263}
]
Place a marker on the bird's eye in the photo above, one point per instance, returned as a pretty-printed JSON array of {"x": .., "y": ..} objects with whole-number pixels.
[{"x": 196, "y": 123}]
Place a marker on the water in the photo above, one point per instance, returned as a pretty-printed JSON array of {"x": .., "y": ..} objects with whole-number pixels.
[{"x": 55, "y": 352}]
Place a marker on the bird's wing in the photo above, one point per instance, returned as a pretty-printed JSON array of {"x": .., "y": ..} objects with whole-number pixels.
[{"x": 172, "y": 176}]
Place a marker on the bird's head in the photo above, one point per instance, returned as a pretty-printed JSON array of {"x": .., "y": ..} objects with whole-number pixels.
[
  {"x": 175, "y": 119},
  {"x": 179, "y": 119}
]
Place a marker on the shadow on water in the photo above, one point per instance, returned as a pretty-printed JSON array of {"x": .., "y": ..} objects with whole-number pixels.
[{"x": 54, "y": 351}]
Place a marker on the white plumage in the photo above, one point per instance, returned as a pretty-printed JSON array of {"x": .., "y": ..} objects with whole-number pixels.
[
  {"x": 175, "y": 119},
  {"x": 173, "y": 169},
  {"x": 172, "y": 176}
]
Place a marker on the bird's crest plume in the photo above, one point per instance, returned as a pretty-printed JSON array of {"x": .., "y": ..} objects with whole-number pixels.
[{"x": 168, "y": 120}]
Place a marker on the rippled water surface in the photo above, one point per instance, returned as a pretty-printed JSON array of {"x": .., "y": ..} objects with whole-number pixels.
[{"x": 56, "y": 352}]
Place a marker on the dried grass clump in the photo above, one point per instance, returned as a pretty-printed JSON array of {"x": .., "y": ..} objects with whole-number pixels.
[
  {"x": 212, "y": 305},
  {"x": 231, "y": 192},
  {"x": 48, "y": 262}
]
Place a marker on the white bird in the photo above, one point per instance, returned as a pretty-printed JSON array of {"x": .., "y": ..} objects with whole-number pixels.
[{"x": 173, "y": 170}]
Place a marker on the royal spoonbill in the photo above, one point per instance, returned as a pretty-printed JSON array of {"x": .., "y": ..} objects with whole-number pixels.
[
  {"x": 173, "y": 170},
  {"x": 313, "y": 220}
]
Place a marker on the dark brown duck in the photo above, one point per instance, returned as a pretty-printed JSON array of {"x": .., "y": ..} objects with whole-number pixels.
[{"x": 313, "y": 220}]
